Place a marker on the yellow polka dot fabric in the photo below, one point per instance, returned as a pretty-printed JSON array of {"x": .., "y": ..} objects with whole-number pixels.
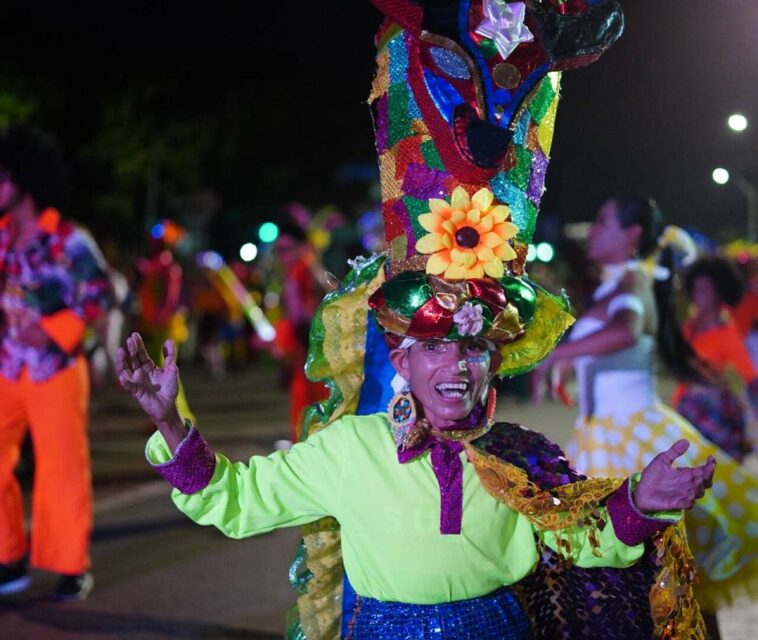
[{"x": 723, "y": 527}]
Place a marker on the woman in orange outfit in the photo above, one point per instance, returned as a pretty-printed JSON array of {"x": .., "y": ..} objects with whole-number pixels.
[{"x": 721, "y": 411}]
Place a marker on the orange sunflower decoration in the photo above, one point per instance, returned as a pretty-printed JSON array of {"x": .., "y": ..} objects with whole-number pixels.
[{"x": 468, "y": 237}]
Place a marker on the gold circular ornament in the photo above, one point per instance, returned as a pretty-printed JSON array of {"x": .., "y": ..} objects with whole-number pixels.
[{"x": 506, "y": 75}]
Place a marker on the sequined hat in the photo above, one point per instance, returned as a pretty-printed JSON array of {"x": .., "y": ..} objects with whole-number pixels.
[{"x": 464, "y": 102}]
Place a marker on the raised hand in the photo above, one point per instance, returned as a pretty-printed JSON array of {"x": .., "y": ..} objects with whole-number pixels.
[
  {"x": 663, "y": 487},
  {"x": 562, "y": 370},
  {"x": 155, "y": 388}
]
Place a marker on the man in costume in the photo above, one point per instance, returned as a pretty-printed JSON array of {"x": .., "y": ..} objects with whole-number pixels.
[
  {"x": 53, "y": 283},
  {"x": 447, "y": 524}
]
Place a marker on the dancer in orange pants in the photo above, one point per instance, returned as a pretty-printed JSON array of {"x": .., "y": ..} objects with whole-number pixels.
[
  {"x": 58, "y": 426},
  {"x": 53, "y": 283}
]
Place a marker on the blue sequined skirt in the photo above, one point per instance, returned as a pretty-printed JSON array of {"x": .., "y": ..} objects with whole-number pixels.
[{"x": 496, "y": 616}]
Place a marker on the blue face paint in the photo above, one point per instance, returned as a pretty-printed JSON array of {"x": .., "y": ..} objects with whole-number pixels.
[{"x": 479, "y": 359}]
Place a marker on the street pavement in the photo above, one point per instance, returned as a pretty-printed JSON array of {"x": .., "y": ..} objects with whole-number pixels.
[{"x": 159, "y": 576}]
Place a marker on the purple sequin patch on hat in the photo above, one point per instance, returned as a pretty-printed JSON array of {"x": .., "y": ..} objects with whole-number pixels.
[
  {"x": 537, "y": 178},
  {"x": 423, "y": 182}
]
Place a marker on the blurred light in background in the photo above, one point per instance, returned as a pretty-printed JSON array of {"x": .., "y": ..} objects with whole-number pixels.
[
  {"x": 577, "y": 231},
  {"x": 737, "y": 122},
  {"x": 157, "y": 231},
  {"x": 531, "y": 253},
  {"x": 248, "y": 252},
  {"x": 371, "y": 231},
  {"x": 267, "y": 333},
  {"x": 210, "y": 260},
  {"x": 168, "y": 231},
  {"x": 545, "y": 252},
  {"x": 720, "y": 175},
  {"x": 268, "y": 232}
]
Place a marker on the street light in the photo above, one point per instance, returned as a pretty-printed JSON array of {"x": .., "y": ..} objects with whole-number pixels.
[
  {"x": 737, "y": 122},
  {"x": 721, "y": 176}
]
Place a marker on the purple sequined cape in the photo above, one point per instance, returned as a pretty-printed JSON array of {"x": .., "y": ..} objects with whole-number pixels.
[{"x": 566, "y": 602}]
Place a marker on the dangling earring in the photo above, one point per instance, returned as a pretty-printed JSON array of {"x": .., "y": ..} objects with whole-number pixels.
[
  {"x": 401, "y": 412},
  {"x": 489, "y": 410}
]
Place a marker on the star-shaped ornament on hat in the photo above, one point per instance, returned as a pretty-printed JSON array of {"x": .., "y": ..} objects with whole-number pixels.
[{"x": 504, "y": 24}]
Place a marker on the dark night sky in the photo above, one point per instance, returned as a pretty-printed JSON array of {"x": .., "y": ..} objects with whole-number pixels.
[{"x": 649, "y": 117}]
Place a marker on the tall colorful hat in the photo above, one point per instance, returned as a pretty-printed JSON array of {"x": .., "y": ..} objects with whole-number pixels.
[{"x": 464, "y": 103}]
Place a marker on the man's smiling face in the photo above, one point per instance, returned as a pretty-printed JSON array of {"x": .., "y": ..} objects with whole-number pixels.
[{"x": 448, "y": 378}]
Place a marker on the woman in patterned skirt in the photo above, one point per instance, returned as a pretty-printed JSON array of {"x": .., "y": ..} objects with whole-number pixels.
[{"x": 622, "y": 421}]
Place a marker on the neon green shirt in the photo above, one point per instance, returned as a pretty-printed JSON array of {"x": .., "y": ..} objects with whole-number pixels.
[{"x": 388, "y": 512}]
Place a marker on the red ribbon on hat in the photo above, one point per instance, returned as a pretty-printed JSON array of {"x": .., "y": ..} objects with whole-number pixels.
[
  {"x": 431, "y": 320},
  {"x": 490, "y": 292}
]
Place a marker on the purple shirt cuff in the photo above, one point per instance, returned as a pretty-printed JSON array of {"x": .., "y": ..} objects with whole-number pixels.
[
  {"x": 192, "y": 466},
  {"x": 631, "y": 525}
]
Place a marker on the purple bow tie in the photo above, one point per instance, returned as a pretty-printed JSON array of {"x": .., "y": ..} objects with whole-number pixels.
[{"x": 448, "y": 469}]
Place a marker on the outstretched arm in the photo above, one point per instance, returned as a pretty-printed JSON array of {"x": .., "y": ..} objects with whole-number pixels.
[
  {"x": 636, "y": 516},
  {"x": 663, "y": 487},
  {"x": 154, "y": 388},
  {"x": 283, "y": 489},
  {"x": 622, "y": 330}
]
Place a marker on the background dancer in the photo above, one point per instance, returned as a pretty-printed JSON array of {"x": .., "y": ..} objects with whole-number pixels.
[
  {"x": 721, "y": 411},
  {"x": 53, "y": 283},
  {"x": 301, "y": 294},
  {"x": 622, "y": 422},
  {"x": 160, "y": 295}
]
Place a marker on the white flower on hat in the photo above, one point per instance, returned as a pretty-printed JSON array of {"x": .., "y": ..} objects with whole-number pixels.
[{"x": 469, "y": 319}]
